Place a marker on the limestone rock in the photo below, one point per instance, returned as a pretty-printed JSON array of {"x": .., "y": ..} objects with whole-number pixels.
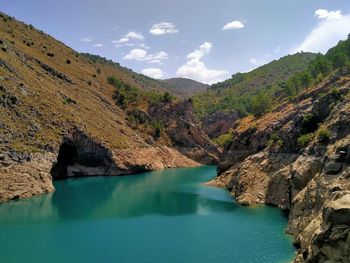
[
  {"x": 338, "y": 211},
  {"x": 23, "y": 180}
]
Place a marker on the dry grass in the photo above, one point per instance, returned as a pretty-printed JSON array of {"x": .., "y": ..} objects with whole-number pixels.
[{"x": 44, "y": 110}]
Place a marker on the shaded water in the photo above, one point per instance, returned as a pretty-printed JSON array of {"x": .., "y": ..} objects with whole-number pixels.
[{"x": 162, "y": 216}]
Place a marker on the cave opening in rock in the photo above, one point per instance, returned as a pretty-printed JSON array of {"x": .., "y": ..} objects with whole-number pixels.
[
  {"x": 67, "y": 155},
  {"x": 80, "y": 155}
]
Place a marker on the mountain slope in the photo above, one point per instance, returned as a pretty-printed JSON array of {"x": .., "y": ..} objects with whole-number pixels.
[
  {"x": 238, "y": 92},
  {"x": 297, "y": 157},
  {"x": 185, "y": 86},
  {"x": 75, "y": 113}
]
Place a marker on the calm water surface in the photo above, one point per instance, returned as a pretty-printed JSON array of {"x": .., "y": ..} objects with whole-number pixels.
[{"x": 163, "y": 216}]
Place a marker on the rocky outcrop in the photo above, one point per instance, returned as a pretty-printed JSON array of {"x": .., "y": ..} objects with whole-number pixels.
[
  {"x": 182, "y": 127},
  {"x": 23, "y": 180},
  {"x": 265, "y": 164},
  {"x": 80, "y": 155},
  {"x": 218, "y": 123}
]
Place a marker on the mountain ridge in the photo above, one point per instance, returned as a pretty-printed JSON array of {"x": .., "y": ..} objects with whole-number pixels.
[{"x": 186, "y": 86}]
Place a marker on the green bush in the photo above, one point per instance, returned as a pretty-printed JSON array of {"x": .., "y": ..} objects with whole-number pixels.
[
  {"x": 323, "y": 135},
  {"x": 305, "y": 139},
  {"x": 167, "y": 97},
  {"x": 335, "y": 93},
  {"x": 275, "y": 139},
  {"x": 223, "y": 139},
  {"x": 261, "y": 103}
]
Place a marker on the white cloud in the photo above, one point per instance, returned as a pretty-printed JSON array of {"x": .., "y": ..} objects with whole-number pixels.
[
  {"x": 123, "y": 40},
  {"x": 196, "y": 69},
  {"x": 328, "y": 15},
  {"x": 155, "y": 73},
  {"x": 98, "y": 45},
  {"x": 144, "y": 46},
  {"x": 163, "y": 28},
  {"x": 142, "y": 55},
  {"x": 134, "y": 35},
  {"x": 233, "y": 25},
  {"x": 325, "y": 35},
  {"x": 86, "y": 39},
  {"x": 128, "y": 37}
]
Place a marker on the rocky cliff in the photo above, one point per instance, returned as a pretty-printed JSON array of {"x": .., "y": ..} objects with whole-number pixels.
[
  {"x": 185, "y": 132},
  {"x": 297, "y": 157}
]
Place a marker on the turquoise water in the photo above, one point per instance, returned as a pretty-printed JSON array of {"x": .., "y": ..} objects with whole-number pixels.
[{"x": 163, "y": 216}]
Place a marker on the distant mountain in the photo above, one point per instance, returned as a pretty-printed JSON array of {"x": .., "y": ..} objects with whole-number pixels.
[
  {"x": 237, "y": 92},
  {"x": 186, "y": 86}
]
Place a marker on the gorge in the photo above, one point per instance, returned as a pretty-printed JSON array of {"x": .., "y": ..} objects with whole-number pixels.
[{"x": 277, "y": 139}]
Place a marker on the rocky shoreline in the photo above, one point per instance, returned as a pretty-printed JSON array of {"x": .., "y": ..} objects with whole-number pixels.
[
  {"x": 265, "y": 165},
  {"x": 84, "y": 157}
]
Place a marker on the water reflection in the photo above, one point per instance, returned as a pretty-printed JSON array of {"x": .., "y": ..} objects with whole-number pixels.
[{"x": 169, "y": 193}]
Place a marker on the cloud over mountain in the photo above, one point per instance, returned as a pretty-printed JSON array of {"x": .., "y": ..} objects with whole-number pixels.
[{"x": 196, "y": 69}]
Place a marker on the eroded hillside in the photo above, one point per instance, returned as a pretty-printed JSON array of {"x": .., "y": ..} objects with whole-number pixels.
[
  {"x": 54, "y": 100},
  {"x": 296, "y": 157}
]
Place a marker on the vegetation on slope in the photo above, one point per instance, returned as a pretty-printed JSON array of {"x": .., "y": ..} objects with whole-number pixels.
[
  {"x": 47, "y": 88},
  {"x": 186, "y": 86},
  {"x": 248, "y": 93}
]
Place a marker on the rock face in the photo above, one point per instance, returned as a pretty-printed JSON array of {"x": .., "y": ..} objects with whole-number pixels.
[
  {"x": 23, "y": 180},
  {"x": 264, "y": 164},
  {"x": 218, "y": 123},
  {"x": 80, "y": 155},
  {"x": 183, "y": 130}
]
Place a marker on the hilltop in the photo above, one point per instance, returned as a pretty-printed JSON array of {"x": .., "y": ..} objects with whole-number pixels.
[{"x": 186, "y": 86}]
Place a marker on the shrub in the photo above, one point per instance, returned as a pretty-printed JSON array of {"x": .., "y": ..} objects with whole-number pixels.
[
  {"x": 335, "y": 93},
  {"x": 158, "y": 128},
  {"x": 319, "y": 78},
  {"x": 98, "y": 70},
  {"x": 305, "y": 139},
  {"x": 275, "y": 139},
  {"x": 224, "y": 139},
  {"x": 323, "y": 135},
  {"x": 167, "y": 97},
  {"x": 50, "y": 54},
  {"x": 261, "y": 103},
  {"x": 89, "y": 82},
  {"x": 68, "y": 61},
  {"x": 3, "y": 49}
]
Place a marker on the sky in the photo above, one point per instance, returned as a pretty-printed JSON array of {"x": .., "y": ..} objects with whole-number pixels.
[{"x": 205, "y": 40}]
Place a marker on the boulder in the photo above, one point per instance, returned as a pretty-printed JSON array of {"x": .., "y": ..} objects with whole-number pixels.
[
  {"x": 333, "y": 168},
  {"x": 304, "y": 169}
]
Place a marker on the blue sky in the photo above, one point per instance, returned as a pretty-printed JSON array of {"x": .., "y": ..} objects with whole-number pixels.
[{"x": 200, "y": 39}]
